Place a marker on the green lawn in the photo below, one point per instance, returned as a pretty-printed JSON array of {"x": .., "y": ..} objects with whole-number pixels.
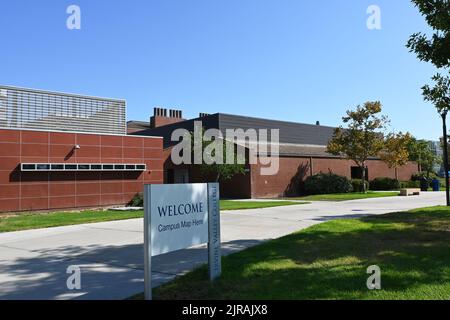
[
  {"x": 329, "y": 261},
  {"x": 57, "y": 219},
  {"x": 347, "y": 196}
]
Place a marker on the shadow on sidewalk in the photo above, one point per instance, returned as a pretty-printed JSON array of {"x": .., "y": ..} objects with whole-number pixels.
[{"x": 107, "y": 272}]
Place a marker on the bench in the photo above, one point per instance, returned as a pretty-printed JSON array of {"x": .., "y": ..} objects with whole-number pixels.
[{"x": 409, "y": 192}]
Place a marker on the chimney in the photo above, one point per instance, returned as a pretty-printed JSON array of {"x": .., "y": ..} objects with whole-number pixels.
[
  {"x": 317, "y": 123},
  {"x": 162, "y": 118}
]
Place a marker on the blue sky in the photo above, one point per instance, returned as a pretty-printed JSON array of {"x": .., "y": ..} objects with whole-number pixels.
[{"x": 295, "y": 60}]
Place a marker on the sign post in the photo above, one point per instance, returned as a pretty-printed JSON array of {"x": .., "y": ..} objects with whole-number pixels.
[
  {"x": 147, "y": 244},
  {"x": 181, "y": 216}
]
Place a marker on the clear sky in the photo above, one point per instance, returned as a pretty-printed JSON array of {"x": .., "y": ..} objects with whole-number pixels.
[{"x": 295, "y": 60}]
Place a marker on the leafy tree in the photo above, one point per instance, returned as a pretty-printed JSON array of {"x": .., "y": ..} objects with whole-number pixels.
[
  {"x": 420, "y": 151},
  {"x": 361, "y": 139},
  {"x": 216, "y": 159},
  {"x": 395, "y": 151},
  {"x": 222, "y": 171},
  {"x": 436, "y": 49}
]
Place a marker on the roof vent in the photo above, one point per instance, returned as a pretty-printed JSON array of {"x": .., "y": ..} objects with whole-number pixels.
[
  {"x": 317, "y": 123},
  {"x": 160, "y": 112},
  {"x": 178, "y": 114}
]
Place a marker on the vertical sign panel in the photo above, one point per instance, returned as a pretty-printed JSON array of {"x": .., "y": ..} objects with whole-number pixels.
[{"x": 214, "y": 255}]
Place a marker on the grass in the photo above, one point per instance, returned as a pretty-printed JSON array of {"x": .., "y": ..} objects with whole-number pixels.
[
  {"x": 57, "y": 219},
  {"x": 330, "y": 260},
  {"x": 347, "y": 196}
]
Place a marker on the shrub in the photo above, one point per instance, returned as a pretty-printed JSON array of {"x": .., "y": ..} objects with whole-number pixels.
[
  {"x": 358, "y": 186},
  {"x": 384, "y": 184},
  {"x": 327, "y": 183},
  {"x": 419, "y": 175},
  {"x": 137, "y": 201},
  {"x": 409, "y": 184}
]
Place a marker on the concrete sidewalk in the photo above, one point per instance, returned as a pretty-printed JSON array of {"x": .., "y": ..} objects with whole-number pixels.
[{"x": 33, "y": 263}]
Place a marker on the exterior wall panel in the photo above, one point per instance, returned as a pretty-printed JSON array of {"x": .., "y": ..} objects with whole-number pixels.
[
  {"x": 25, "y": 191},
  {"x": 295, "y": 170},
  {"x": 44, "y": 110}
]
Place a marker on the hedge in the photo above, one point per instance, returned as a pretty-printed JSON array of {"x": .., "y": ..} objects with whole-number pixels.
[{"x": 327, "y": 183}]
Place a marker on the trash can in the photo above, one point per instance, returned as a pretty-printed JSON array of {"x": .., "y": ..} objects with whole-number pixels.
[
  {"x": 436, "y": 184},
  {"x": 424, "y": 184}
]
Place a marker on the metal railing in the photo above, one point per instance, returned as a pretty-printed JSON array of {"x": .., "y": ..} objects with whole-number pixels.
[{"x": 52, "y": 111}]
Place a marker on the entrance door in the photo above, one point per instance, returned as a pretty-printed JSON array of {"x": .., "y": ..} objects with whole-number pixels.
[
  {"x": 357, "y": 173},
  {"x": 181, "y": 176}
]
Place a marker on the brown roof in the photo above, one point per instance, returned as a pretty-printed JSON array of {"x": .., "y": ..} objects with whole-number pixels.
[
  {"x": 292, "y": 150},
  {"x": 296, "y": 150}
]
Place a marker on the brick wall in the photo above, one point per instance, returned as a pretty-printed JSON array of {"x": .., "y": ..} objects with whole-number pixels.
[
  {"x": 159, "y": 121},
  {"x": 294, "y": 170},
  {"x": 24, "y": 191}
]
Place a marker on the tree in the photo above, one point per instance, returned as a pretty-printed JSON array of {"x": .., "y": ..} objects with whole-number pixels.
[
  {"x": 420, "y": 151},
  {"x": 215, "y": 159},
  {"x": 436, "y": 50},
  {"x": 395, "y": 151},
  {"x": 361, "y": 139},
  {"x": 222, "y": 171}
]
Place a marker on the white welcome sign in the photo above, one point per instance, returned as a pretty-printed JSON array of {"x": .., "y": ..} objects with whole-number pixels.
[{"x": 181, "y": 216}]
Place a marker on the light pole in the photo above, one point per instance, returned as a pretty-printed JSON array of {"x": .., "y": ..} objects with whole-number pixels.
[{"x": 447, "y": 187}]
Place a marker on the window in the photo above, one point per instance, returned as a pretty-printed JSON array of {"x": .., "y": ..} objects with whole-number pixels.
[
  {"x": 81, "y": 167},
  {"x": 43, "y": 167},
  {"x": 357, "y": 173},
  {"x": 170, "y": 176},
  {"x": 28, "y": 167}
]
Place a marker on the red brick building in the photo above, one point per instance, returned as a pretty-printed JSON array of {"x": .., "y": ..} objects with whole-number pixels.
[
  {"x": 63, "y": 151},
  {"x": 84, "y": 160},
  {"x": 302, "y": 152}
]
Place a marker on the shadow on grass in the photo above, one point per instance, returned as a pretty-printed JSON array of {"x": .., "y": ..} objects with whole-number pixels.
[{"x": 329, "y": 261}]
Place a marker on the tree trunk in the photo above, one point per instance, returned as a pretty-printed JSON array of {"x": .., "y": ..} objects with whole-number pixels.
[
  {"x": 396, "y": 173},
  {"x": 218, "y": 177},
  {"x": 363, "y": 175}
]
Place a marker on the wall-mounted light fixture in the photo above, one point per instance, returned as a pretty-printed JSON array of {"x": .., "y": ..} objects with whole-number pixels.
[{"x": 77, "y": 147}]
